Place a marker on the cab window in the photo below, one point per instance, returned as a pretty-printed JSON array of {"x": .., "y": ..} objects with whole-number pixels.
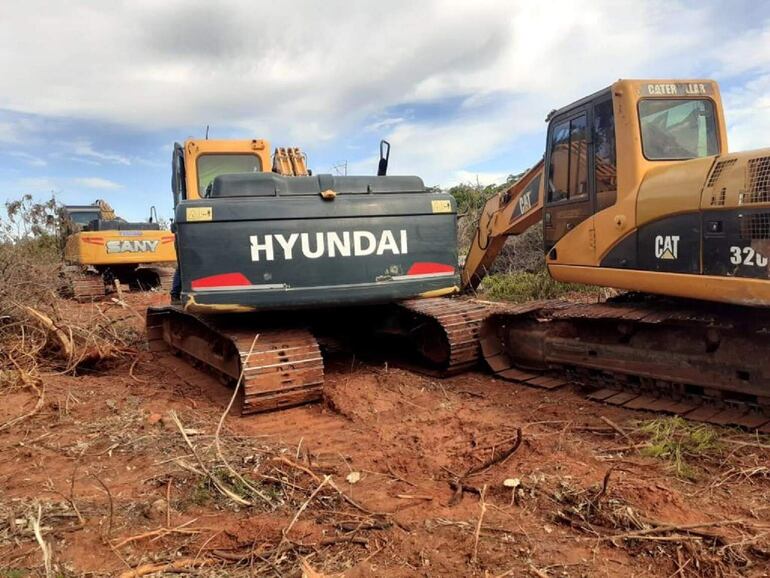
[
  {"x": 676, "y": 129},
  {"x": 211, "y": 166},
  {"x": 568, "y": 170},
  {"x": 605, "y": 164},
  {"x": 84, "y": 217}
]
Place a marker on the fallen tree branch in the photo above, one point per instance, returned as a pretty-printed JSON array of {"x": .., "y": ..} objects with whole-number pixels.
[
  {"x": 494, "y": 460},
  {"x": 459, "y": 486},
  {"x": 254, "y": 490},
  {"x": 62, "y": 339},
  {"x": 176, "y": 565},
  {"x": 222, "y": 488},
  {"x": 33, "y": 411},
  {"x": 661, "y": 528}
]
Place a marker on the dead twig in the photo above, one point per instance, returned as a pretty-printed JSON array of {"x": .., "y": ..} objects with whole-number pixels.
[
  {"x": 33, "y": 411},
  {"x": 536, "y": 572},
  {"x": 217, "y": 443},
  {"x": 131, "y": 372},
  {"x": 44, "y": 547},
  {"x": 159, "y": 533},
  {"x": 176, "y": 565},
  {"x": 483, "y": 504},
  {"x": 397, "y": 477},
  {"x": 661, "y": 528},
  {"x": 459, "y": 486},
  {"x": 342, "y": 494},
  {"x": 618, "y": 429},
  {"x": 494, "y": 460},
  {"x": 221, "y": 487},
  {"x": 303, "y": 506},
  {"x": 109, "y": 497},
  {"x": 62, "y": 339}
]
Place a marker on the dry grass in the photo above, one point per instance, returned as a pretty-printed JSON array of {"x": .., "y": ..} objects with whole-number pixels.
[
  {"x": 681, "y": 443},
  {"x": 713, "y": 547}
]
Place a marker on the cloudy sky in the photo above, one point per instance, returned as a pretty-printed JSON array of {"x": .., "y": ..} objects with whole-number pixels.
[{"x": 94, "y": 93}]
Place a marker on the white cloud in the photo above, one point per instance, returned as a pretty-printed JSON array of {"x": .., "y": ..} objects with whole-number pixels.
[
  {"x": 384, "y": 123},
  {"x": 475, "y": 177},
  {"x": 29, "y": 159},
  {"x": 312, "y": 73},
  {"x": 8, "y": 133},
  {"x": 37, "y": 185},
  {"x": 96, "y": 183},
  {"x": 748, "y": 115},
  {"x": 84, "y": 148}
]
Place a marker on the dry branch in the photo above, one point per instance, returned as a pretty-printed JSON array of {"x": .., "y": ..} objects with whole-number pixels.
[
  {"x": 44, "y": 547},
  {"x": 459, "y": 486},
  {"x": 62, "y": 339},
  {"x": 483, "y": 504},
  {"x": 175, "y": 566},
  {"x": 221, "y": 487}
]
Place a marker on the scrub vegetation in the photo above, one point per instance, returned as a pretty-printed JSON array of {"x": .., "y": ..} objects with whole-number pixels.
[{"x": 518, "y": 274}]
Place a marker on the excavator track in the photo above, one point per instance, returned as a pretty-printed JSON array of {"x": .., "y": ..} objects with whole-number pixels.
[
  {"x": 446, "y": 331},
  {"x": 150, "y": 277},
  {"x": 280, "y": 368},
  {"x": 87, "y": 286},
  {"x": 704, "y": 362},
  {"x": 166, "y": 280}
]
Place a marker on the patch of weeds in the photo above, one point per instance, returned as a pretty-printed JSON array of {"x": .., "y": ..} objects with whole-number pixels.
[
  {"x": 202, "y": 492},
  {"x": 523, "y": 286},
  {"x": 13, "y": 573},
  {"x": 273, "y": 491},
  {"x": 679, "y": 442}
]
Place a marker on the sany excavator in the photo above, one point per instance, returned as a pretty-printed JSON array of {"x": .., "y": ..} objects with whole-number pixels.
[
  {"x": 272, "y": 257},
  {"x": 103, "y": 251},
  {"x": 638, "y": 191}
]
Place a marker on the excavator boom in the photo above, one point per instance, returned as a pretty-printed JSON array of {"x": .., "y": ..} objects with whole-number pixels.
[{"x": 510, "y": 212}]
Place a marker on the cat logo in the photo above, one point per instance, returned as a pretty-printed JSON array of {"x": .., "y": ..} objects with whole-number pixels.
[
  {"x": 137, "y": 246},
  {"x": 667, "y": 247},
  {"x": 525, "y": 202}
]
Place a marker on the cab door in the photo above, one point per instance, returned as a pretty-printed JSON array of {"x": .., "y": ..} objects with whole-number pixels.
[{"x": 568, "y": 199}]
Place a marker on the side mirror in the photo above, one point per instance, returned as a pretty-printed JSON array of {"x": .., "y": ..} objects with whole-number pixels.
[{"x": 382, "y": 167}]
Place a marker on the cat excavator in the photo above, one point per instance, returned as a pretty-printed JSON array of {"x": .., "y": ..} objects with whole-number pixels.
[{"x": 637, "y": 191}]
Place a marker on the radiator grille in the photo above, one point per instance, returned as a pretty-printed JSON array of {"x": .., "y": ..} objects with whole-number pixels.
[
  {"x": 755, "y": 226},
  {"x": 718, "y": 199},
  {"x": 757, "y": 181},
  {"x": 719, "y": 168}
]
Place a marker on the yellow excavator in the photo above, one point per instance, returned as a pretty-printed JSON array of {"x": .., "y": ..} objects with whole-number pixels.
[
  {"x": 103, "y": 252},
  {"x": 637, "y": 191}
]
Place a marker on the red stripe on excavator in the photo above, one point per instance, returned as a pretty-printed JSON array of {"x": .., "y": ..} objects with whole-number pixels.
[
  {"x": 167, "y": 240},
  {"x": 426, "y": 268},
  {"x": 224, "y": 280},
  {"x": 93, "y": 240}
]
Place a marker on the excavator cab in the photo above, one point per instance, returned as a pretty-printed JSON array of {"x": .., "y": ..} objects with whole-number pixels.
[{"x": 659, "y": 123}]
